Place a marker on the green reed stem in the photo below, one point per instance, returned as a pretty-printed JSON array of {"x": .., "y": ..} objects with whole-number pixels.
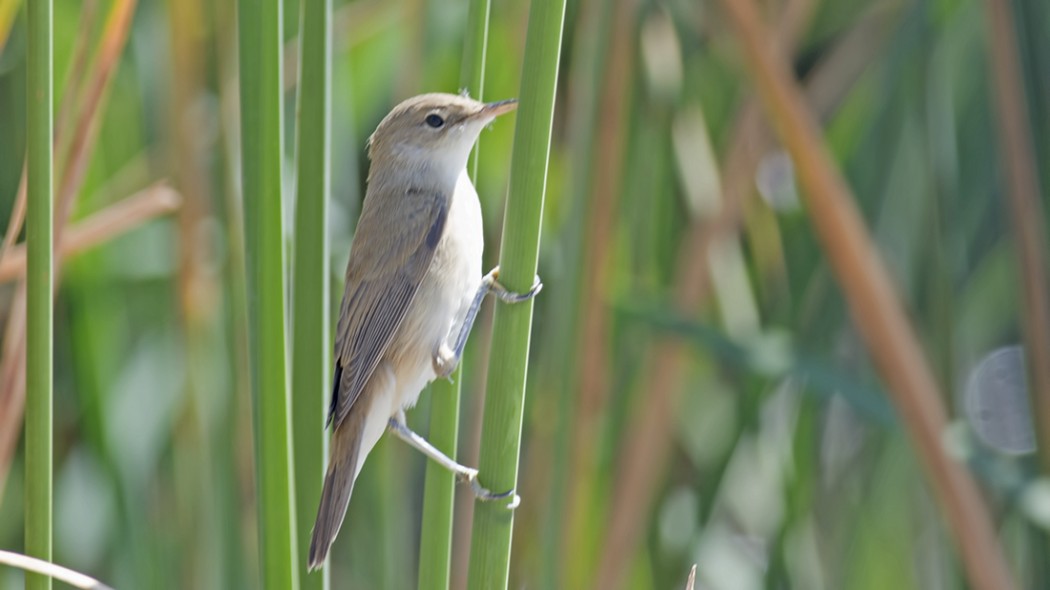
[
  {"x": 519, "y": 254},
  {"x": 261, "y": 143},
  {"x": 311, "y": 360},
  {"x": 40, "y": 286}
]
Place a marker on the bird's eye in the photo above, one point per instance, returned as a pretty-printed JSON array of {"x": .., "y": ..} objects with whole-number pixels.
[{"x": 434, "y": 120}]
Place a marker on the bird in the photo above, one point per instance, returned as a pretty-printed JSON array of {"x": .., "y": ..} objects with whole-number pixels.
[{"x": 413, "y": 289}]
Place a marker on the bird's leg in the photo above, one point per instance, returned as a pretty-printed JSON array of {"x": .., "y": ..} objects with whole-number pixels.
[
  {"x": 445, "y": 358},
  {"x": 398, "y": 426}
]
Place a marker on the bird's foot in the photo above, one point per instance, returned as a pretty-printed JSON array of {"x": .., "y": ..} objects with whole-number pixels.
[
  {"x": 508, "y": 296},
  {"x": 469, "y": 475}
]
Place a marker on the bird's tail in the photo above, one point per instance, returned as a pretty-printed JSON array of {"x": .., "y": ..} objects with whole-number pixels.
[{"x": 338, "y": 483}]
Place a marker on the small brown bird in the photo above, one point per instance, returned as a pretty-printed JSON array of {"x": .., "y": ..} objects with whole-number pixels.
[{"x": 413, "y": 289}]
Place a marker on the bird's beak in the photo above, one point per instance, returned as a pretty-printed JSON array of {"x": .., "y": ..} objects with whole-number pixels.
[{"x": 495, "y": 109}]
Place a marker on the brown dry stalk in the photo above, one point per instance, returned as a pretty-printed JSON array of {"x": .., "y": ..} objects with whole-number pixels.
[
  {"x": 875, "y": 308},
  {"x": 18, "y": 214},
  {"x": 11, "y": 401},
  {"x": 117, "y": 219},
  {"x": 69, "y": 99},
  {"x": 650, "y": 434},
  {"x": 197, "y": 289},
  {"x": 14, "y": 380},
  {"x": 12, "y": 365},
  {"x": 78, "y": 68},
  {"x": 115, "y": 35},
  {"x": 1022, "y": 188},
  {"x": 109, "y": 223},
  {"x": 600, "y": 232}
]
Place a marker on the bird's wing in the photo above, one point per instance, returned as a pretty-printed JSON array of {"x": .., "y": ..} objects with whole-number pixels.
[{"x": 392, "y": 249}]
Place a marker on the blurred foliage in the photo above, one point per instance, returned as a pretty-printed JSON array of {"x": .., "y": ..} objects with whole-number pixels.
[{"x": 787, "y": 467}]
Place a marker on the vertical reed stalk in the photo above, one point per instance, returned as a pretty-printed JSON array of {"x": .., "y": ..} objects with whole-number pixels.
[
  {"x": 472, "y": 69},
  {"x": 435, "y": 545},
  {"x": 40, "y": 282},
  {"x": 259, "y": 29},
  {"x": 435, "y": 542},
  {"x": 311, "y": 361},
  {"x": 519, "y": 254}
]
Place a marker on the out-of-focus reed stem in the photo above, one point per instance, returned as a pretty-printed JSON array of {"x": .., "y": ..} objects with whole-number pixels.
[
  {"x": 598, "y": 245},
  {"x": 472, "y": 69}
]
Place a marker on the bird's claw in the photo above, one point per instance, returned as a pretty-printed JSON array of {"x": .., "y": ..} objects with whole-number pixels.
[
  {"x": 508, "y": 296},
  {"x": 483, "y": 494}
]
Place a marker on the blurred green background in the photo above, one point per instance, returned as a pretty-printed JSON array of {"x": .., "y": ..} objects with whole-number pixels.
[{"x": 680, "y": 269}]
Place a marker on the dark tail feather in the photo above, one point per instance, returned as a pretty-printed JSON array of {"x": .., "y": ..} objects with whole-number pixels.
[{"x": 338, "y": 483}]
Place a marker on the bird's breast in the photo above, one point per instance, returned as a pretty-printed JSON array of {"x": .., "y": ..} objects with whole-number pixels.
[
  {"x": 455, "y": 272},
  {"x": 444, "y": 294},
  {"x": 464, "y": 240}
]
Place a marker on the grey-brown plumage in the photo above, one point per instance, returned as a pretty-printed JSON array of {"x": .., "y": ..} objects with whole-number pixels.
[{"x": 415, "y": 265}]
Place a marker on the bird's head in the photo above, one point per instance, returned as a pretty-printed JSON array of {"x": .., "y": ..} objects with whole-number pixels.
[{"x": 433, "y": 130}]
